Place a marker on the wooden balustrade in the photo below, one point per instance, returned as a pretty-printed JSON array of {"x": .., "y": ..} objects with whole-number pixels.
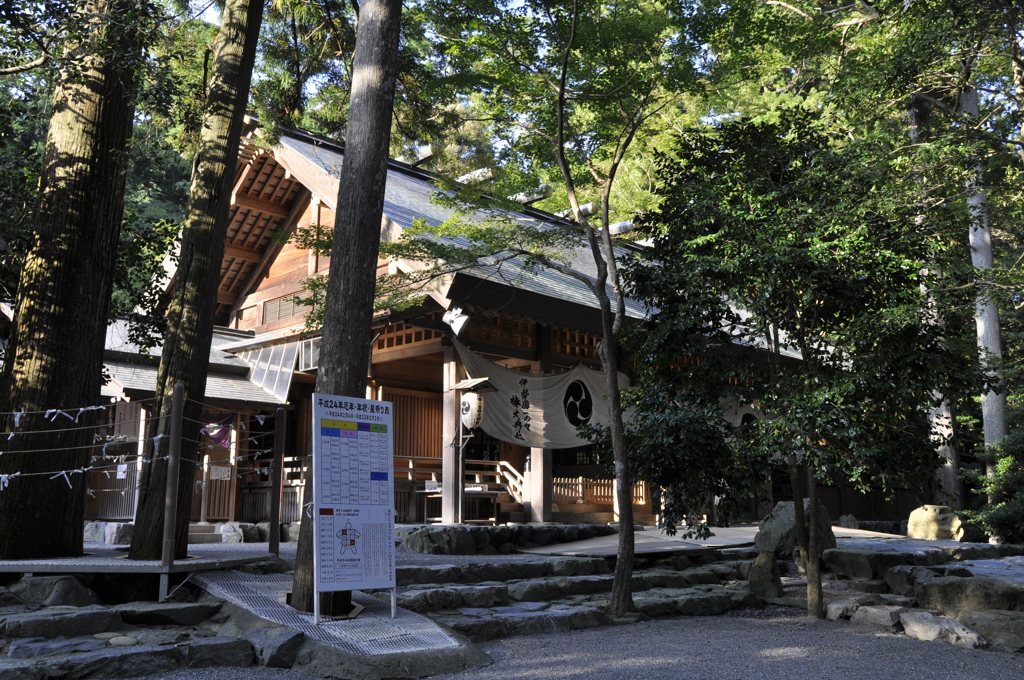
[{"x": 586, "y": 491}]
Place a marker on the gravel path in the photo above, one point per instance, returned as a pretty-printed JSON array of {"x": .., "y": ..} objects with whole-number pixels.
[
  {"x": 726, "y": 648},
  {"x": 763, "y": 644}
]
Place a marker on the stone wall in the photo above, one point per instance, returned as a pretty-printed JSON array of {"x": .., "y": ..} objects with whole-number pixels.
[{"x": 497, "y": 540}]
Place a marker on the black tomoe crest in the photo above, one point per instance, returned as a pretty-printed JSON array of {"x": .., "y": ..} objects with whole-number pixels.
[{"x": 579, "y": 405}]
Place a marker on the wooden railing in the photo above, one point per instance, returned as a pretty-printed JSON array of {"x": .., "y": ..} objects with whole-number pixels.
[
  {"x": 499, "y": 473},
  {"x": 587, "y": 491},
  {"x": 413, "y": 468}
]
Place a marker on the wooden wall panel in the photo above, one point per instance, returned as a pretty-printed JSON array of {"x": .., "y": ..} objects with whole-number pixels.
[{"x": 417, "y": 422}]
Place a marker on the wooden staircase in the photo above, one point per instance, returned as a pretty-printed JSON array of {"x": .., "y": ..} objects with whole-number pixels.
[{"x": 508, "y": 509}]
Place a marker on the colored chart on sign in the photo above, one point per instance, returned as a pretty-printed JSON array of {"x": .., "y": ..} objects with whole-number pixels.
[
  {"x": 356, "y": 466},
  {"x": 353, "y": 505}
]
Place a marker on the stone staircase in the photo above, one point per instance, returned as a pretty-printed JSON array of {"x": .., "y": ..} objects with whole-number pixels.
[
  {"x": 203, "y": 533},
  {"x": 82, "y": 638},
  {"x": 487, "y": 600}
]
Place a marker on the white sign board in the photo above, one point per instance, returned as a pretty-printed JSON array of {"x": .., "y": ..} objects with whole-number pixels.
[{"x": 354, "y": 494}]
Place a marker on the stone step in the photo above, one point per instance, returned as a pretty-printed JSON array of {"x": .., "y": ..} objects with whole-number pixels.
[
  {"x": 111, "y": 661},
  {"x": 204, "y": 538},
  {"x": 533, "y": 586},
  {"x": 528, "y": 618},
  {"x": 52, "y": 622},
  {"x": 478, "y": 572}
]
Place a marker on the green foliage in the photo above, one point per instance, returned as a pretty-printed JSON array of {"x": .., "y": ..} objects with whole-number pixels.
[
  {"x": 553, "y": 83},
  {"x": 1005, "y": 517},
  {"x": 24, "y": 110},
  {"x": 155, "y": 198},
  {"x": 305, "y": 53},
  {"x": 820, "y": 246}
]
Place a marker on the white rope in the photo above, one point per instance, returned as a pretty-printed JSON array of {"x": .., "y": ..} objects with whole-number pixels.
[{"x": 88, "y": 408}]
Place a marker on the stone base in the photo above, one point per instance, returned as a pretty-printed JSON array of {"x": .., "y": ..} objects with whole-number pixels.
[{"x": 438, "y": 539}]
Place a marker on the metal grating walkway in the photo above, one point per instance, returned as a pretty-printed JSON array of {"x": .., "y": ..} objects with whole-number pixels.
[{"x": 372, "y": 633}]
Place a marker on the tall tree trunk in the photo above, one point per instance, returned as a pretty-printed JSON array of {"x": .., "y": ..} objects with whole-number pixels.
[
  {"x": 621, "y": 600},
  {"x": 986, "y": 313},
  {"x": 812, "y": 561},
  {"x": 186, "y": 348},
  {"x": 940, "y": 418},
  {"x": 55, "y": 354},
  {"x": 348, "y": 308}
]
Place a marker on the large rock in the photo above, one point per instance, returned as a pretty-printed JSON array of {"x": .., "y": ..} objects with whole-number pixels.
[
  {"x": 276, "y": 646},
  {"x": 118, "y": 533},
  {"x": 764, "y": 579},
  {"x": 952, "y": 595},
  {"x": 167, "y": 613},
  {"x": 861, "y": 564},
  {"x": 414, "y": 574},
  {"x": 30, "y": 648},
  {"x": 230, "y": 532},
  {"x": 706, "y": 603},
  {"x": 219, "y": 651},
  {"x": 777, "y": 531},
  {"x": 840, "y": 610},
  {"x": 263, "y": 531},
  {"x": 94, "y": 532},
  {"x": 433, "y": 599},
  {"x": 290, "y": 532},
  {"x": 1004, "y": 629},
  {"x": 544, "y": 534},
  {"x": 54, "y": 591},
  {"x": 935, "y": 523},
  {"x": 848, "y": 522},
  {"x": 442, "y": 540},
  {"x": 482, "y": 596},
  {"x": 114, "y": 663},
  {"x": 885, "y": 616},
  {"x": 579, "y": 566},
  {"x": 928, "y": 627},
  {"x": 54, "y": 621},
  {"x": 905, "y": 579}
]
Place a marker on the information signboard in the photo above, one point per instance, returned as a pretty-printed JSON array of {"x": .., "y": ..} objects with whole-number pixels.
[{"x": 353, "y": 496}]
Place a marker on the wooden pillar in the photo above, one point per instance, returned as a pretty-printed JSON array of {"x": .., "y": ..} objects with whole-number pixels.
[
  {"x": 451, "y": 512},
  {"x": 615, "y": 500},
  {"x": 539, "y": 489},
  {"x": 539, "y": 499}
]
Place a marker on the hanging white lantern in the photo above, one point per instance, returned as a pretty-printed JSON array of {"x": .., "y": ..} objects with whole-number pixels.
[{"x": 471, "y": 410}]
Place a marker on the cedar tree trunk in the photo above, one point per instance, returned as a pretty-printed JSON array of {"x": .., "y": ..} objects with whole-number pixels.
[
  {"x": 345, "y": 348},
  {"x": 986, "y": 313},
  {"x": 186, "y": 348},
  {"x": 55, "y": 355}
]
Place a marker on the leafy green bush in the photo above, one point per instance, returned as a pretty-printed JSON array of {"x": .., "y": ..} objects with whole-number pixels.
[{"x": 1005, "y": 516}]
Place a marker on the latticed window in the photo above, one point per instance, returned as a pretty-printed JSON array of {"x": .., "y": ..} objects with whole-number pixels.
[
  {"x": 402, "y": 335},
  {"x": 502, "y": 330},
  {"x": 572, "y": 343}
]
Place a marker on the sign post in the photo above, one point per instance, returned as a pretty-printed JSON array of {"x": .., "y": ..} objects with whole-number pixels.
[{"x": 353, "y": 496}]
